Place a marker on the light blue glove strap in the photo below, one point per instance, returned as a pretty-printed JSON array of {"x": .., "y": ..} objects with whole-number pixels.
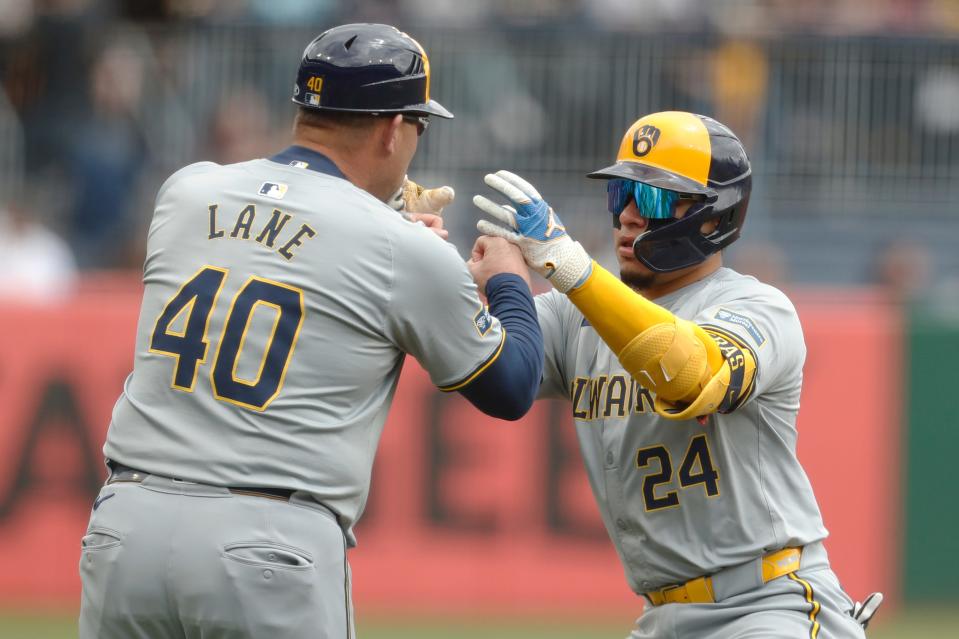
[{"x": 537, "y": 221}]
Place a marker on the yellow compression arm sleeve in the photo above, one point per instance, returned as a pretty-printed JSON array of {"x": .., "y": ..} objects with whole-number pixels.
[{"x": 674, "y": 358}]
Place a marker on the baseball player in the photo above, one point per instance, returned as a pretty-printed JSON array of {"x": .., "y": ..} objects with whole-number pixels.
[
  {"x": 684, "y": 378},
  {"x": 281, "y": 297}
]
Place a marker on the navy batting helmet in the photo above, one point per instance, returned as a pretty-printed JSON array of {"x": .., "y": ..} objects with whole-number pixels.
[
  {"x": 671, "y": 156},
  {"x": 366, "y": 68}
]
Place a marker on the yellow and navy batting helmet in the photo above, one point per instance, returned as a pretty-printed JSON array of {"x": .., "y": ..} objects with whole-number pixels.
[
  {"x": 366, "y": 68},
  {"x": 673, "y": 155}
]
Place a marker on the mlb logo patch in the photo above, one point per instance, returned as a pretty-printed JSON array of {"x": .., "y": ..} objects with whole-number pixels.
[
  {"x": 299, "y": 164},
  {"x": 274, "y": 190},
  {"x": 483, "y": 321},
  {"x": 313, "y": 99}
]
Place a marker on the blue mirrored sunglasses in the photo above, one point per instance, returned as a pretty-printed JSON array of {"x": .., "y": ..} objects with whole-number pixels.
[{"x": 651, "y": 201}]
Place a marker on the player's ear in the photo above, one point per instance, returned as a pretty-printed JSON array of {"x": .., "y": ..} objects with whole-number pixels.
[{"x": 390, "y": 133}]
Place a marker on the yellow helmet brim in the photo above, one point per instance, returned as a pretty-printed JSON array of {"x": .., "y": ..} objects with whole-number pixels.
[{"x": 654, "y": 176}]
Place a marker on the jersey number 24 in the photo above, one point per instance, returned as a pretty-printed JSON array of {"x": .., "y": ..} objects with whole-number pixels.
[
  {"x": 196, "y": 300},
  {"x": 697, "y": 468}
]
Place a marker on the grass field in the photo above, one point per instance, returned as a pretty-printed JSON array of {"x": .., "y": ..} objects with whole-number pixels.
[{"x": 913, "y": 624}]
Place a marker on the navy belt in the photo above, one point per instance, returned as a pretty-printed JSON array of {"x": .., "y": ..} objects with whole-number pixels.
[{"x": 121, "y": 473}]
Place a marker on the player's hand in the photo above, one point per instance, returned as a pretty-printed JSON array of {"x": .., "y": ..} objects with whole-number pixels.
[
  {"x": 863, "y": 612},
  {"x": 494, "y": 255},
  {"x": 532, "y": 225},
  {"x": 430, "y": 221},
  {"x": 413, "y": 198}
]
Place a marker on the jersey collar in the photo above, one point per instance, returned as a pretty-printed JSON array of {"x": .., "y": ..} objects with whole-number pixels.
[
  {"x": 304, "y": 158},
  {"x": 671, "y": 298}
]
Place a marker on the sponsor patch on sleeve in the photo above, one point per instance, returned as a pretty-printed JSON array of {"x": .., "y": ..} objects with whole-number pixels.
[
  {"x": 483, "y": 321},
  {"x": 735, "y": 318}
]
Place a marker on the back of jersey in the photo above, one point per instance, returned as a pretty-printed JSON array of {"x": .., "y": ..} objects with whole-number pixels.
[{"x": 264, "y": 355}]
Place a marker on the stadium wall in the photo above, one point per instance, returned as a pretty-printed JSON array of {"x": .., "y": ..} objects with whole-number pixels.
[{"x": 466, "y": 513}]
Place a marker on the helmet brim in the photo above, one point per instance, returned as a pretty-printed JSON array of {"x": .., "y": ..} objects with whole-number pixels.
[
  {"x": 430, "y": 108},
  {"x": 654, "y": 176}
]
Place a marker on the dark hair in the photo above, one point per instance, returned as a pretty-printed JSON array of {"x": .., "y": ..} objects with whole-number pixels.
[{"x": 333, "y": 119}]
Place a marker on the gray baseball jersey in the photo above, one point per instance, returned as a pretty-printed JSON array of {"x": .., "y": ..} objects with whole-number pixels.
[
  {"x": 684, "y": 499},
  {"x": 279, "y": 304}
]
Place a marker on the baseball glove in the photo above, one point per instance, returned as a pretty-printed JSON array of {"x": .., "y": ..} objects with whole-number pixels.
[{"x": 413, "y": 198}]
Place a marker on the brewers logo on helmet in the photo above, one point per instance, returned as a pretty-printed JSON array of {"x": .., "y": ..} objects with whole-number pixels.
[
  {"x": 366, "y": 68},
  {"x": 671, "y": 156}
]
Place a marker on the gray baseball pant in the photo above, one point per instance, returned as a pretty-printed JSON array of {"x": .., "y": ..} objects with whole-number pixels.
[
  {"x": 167, "y": 559},
  {"x": 807, "y": 604}
]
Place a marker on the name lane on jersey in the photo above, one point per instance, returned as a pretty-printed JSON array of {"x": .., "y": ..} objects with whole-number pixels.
[{"x": 267, "y": 229}]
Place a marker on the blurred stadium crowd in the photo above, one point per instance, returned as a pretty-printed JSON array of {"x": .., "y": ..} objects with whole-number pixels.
[
  {"x": 848, "y": 108},
  {"x": 830, "y": 16}
]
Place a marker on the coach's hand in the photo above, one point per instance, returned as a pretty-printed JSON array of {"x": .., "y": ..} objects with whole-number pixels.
[
  {"x": 430, "y": 221},
  {"x": 536, "y": 229},
  {"x": 494, "y": 255},
  {"x": 413, "y": 198}
]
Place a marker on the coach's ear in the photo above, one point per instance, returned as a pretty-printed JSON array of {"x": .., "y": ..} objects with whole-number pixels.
[{"x": 390, "y": 133}]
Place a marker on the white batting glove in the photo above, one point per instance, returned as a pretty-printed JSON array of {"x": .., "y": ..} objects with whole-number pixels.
[
  {"x": 863, "y": 612},
  {"x": 413, "y": 198},
  {"x": 536, "y": 229}
]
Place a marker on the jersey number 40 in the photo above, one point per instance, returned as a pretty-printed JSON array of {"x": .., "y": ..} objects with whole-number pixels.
[{"x": 191, "y": 309}]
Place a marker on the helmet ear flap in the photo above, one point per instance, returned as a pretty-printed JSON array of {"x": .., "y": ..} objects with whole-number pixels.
[
  {"x": 680, "y": 243},
  {"x": 674, "y": 244},
  {"x": 729, "y": 223}
]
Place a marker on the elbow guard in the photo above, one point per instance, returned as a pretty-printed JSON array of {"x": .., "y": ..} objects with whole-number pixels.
[{"x": 671, "y": 360}]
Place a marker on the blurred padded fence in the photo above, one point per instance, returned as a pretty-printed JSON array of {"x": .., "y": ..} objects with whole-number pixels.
[{"x": 854, "y": 141}]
